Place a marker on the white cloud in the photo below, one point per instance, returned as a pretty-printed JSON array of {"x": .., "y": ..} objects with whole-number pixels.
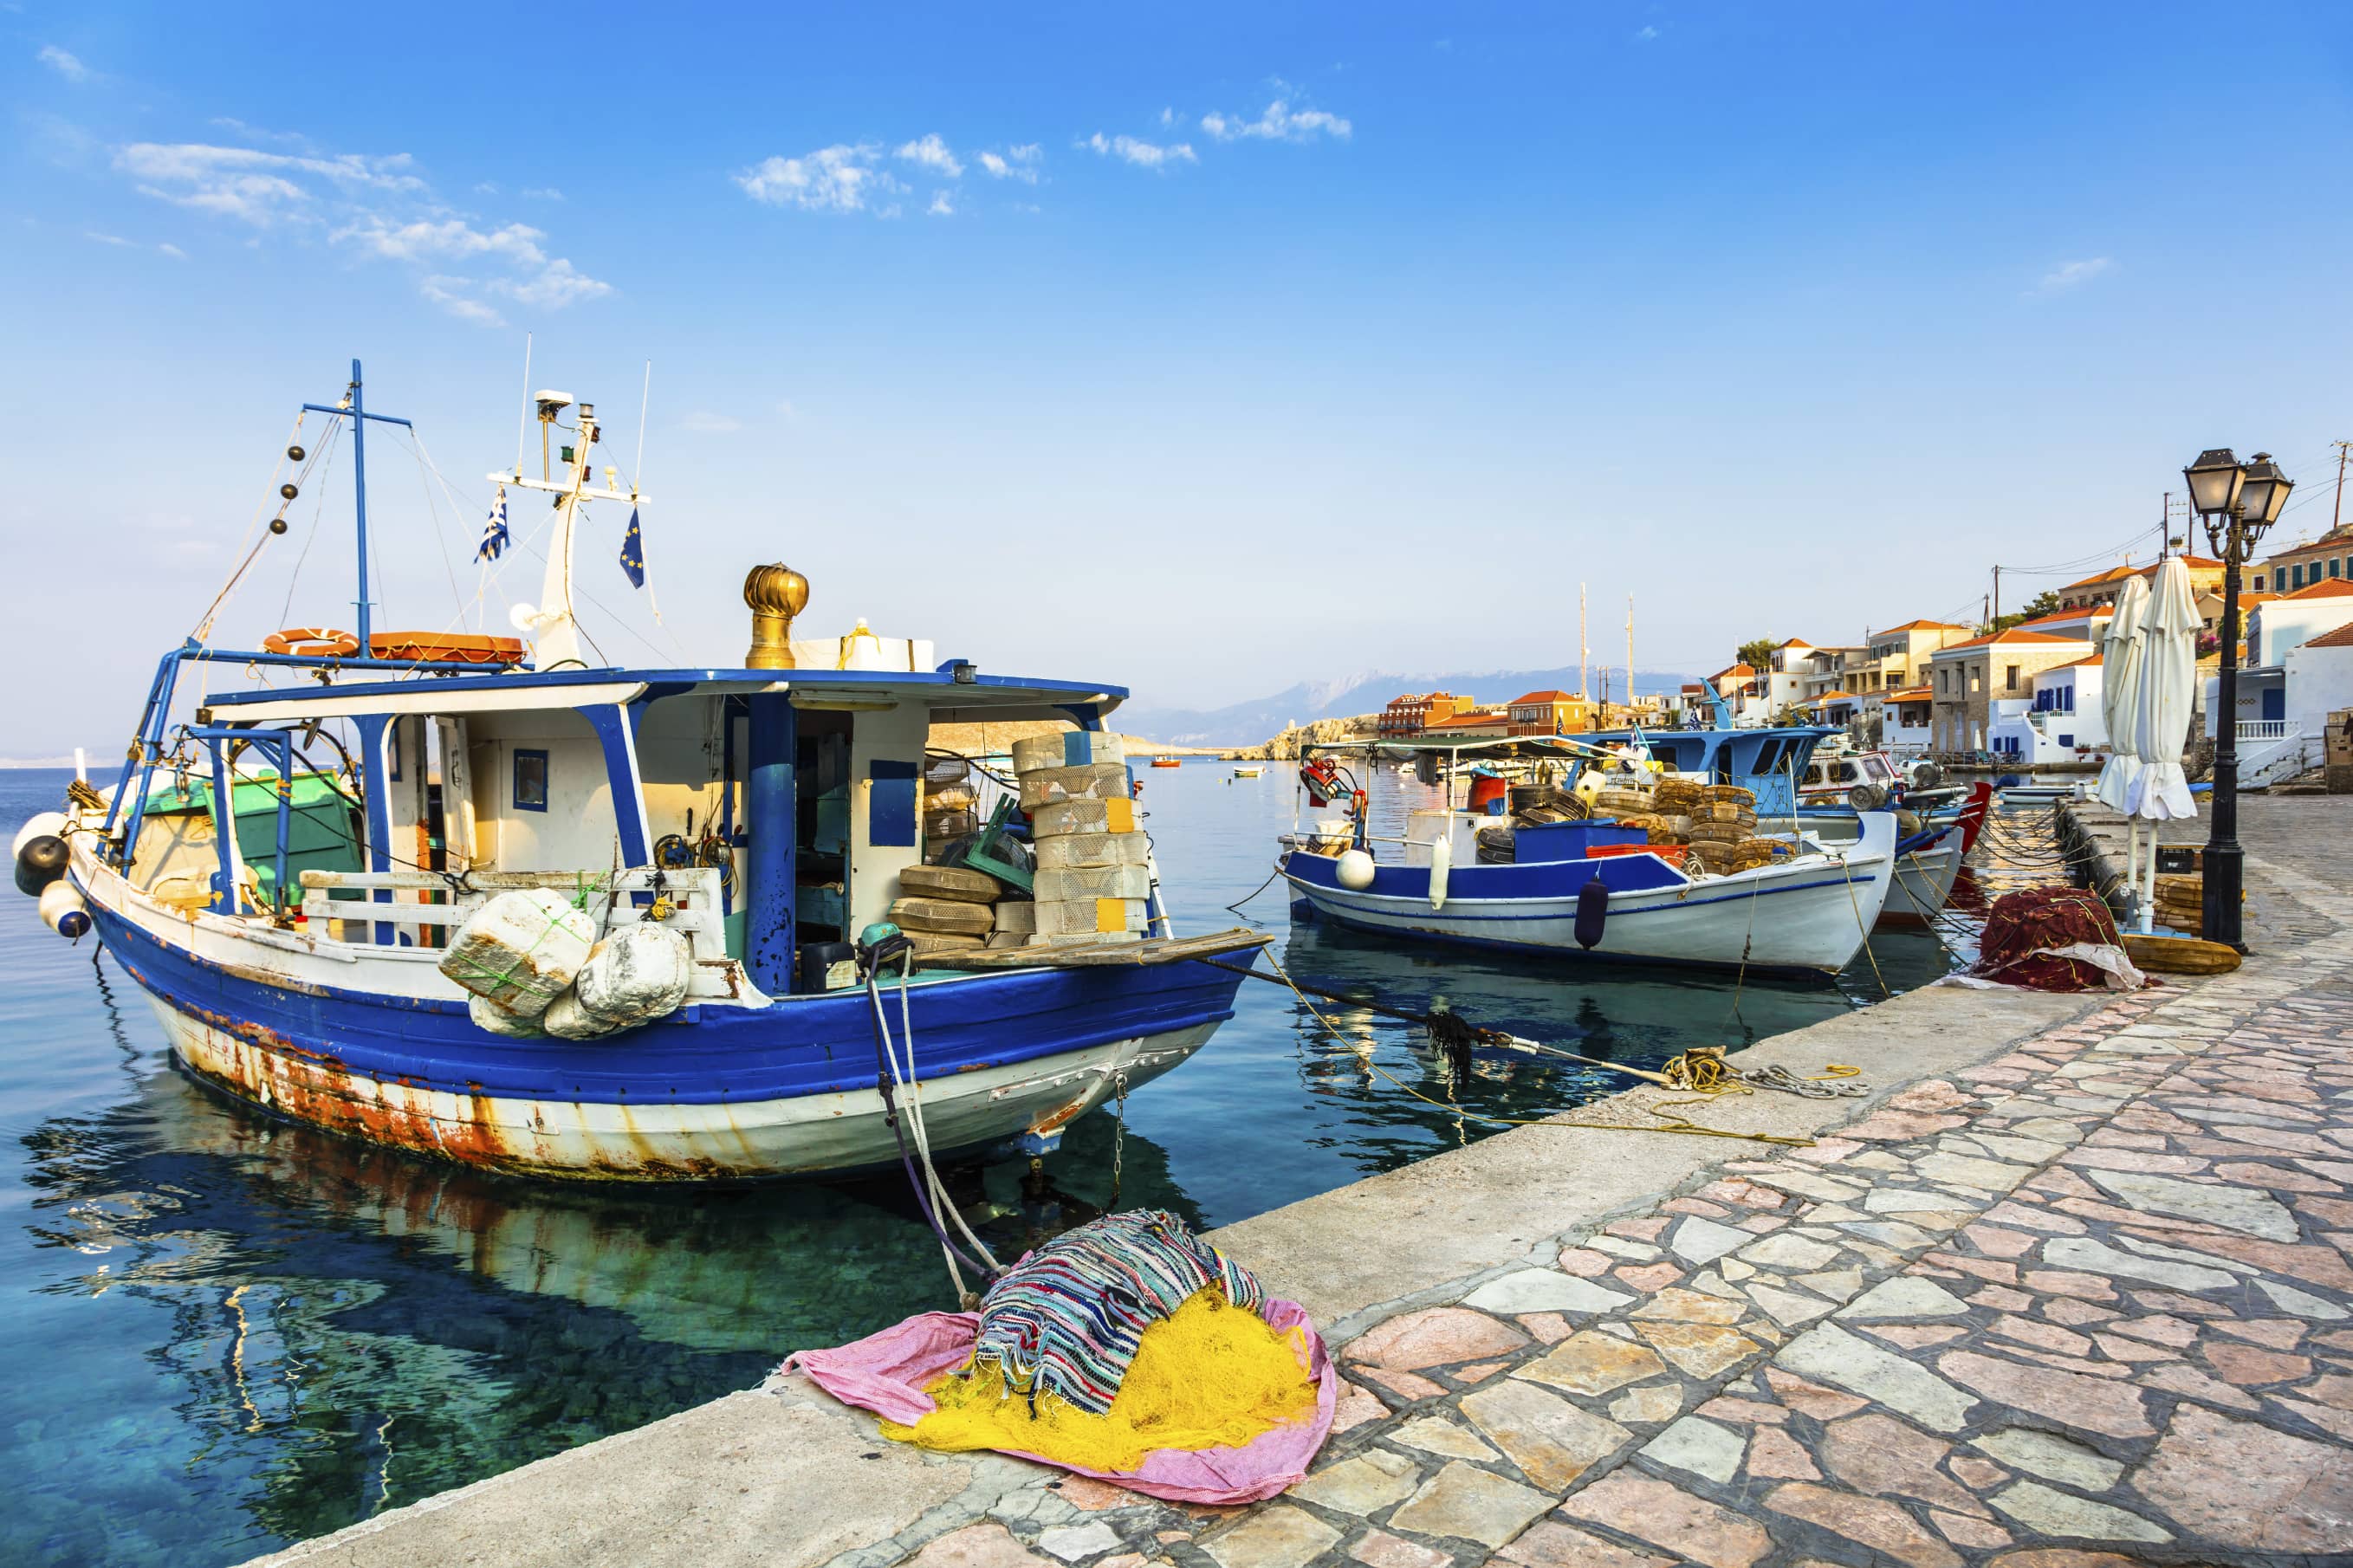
[
  {"x": 104, "y": 238},
  {"x": 1279, "y": 122},
  {"x": 542, "y": 193},
  {"x": 832, "y": 179},
  {"x": 1167, "y": 119},
  {"x": 1143, "y": 154},
  {"x": 378, "y": 207},
  {"x": 931, "y": 153},
  {"x": 253, "y": 186},
  {"x": 486, "y": 188},
  {"x": 1647, "y": 35},
  {"x": 64, "y": 64},
  {"x": 941, "y": 205},
  {"x": 2074, "y": 274},
  {"x": 1019, "y": 163},
  {"x": 446, "y": 293},
  {"x": 174, "y": 251},
  {"x": 707, "y": 423}
]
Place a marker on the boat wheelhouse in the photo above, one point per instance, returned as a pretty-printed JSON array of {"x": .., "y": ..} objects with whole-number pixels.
[{"x": 283, "y": 868}]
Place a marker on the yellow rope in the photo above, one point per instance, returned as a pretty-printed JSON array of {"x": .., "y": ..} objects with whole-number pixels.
[{"x": 1672, "y": 1123}]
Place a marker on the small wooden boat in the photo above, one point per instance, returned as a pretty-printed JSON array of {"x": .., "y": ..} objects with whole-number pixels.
[
  {"x": 1167, "y": 763},
  {"x": 1251, "y": 772}
]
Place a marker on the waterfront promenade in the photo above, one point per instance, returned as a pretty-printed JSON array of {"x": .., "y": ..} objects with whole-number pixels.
[{"x": 2072, "y": 1290}]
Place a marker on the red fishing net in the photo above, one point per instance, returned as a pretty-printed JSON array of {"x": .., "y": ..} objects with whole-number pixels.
[{"x": 2021, "y": 926}]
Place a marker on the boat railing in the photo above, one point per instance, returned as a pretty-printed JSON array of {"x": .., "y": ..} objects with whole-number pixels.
[{"x": 409, "y": 919}]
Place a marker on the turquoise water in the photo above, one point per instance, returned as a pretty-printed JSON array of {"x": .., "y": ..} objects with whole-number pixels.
[{"x": 228, "y": 1333}]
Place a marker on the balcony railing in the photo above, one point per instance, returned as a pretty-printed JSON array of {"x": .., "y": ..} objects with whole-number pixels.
[{"x": 2262, "y": 730}]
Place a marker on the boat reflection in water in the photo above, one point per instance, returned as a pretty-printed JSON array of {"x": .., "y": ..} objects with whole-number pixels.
[{"x": 351, "y": 1327}]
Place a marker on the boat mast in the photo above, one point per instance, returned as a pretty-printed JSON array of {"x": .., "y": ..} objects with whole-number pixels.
[
  {"x": 553, "y": 631},
  {"x": 351, "y": 408}
]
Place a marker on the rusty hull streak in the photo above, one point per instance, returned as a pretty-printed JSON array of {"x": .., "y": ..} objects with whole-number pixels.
[{"x": 263, "y": 1068}]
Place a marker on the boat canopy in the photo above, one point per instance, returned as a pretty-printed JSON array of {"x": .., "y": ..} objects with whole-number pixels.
[{"x": 955, "y": 694}]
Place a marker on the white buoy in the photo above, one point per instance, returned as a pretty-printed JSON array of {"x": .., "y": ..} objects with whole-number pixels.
[
  {"x": 1442, "y": 865},
  {"x": 63, "y": 912},
  {"x": 1355, "y": 871},
  {"x": 41, "y": 824}
]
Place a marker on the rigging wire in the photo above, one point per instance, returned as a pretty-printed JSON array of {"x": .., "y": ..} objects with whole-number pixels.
[{"x": 318, "y": 510}]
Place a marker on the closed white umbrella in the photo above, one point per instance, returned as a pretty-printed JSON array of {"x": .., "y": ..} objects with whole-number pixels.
[
  {"x": 2120, "y": 653},
  {"x": 2167, "y": 696},
  {"x": 2162, "y": 702}
]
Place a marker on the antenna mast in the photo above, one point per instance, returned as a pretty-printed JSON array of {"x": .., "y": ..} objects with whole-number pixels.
[
  {"x": 1630, "y": 650},
  {"x": 1584, "y": 654}
]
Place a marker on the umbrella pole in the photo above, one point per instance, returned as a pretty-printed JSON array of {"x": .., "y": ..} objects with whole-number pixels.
[
  {"x": 2149, "y": 895},
  {"x": 2132, "y": 857}
]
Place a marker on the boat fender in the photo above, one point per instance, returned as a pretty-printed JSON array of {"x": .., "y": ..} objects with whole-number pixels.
[
  {"x": 63, "y": 912},
  {"x": 39, "y": 863},
  {"x": 1592, "y": 913},
  {"x": 1442, "y": 865},
  {"x": 1355, "y": 871},
  {"x": 41, "y": 824}
]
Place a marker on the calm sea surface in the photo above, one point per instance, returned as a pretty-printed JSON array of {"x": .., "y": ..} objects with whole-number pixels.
[{"x": 227, "y": 1333}]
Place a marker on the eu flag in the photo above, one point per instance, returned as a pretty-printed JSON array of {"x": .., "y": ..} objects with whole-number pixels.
[{"x": 633, "y": 552}]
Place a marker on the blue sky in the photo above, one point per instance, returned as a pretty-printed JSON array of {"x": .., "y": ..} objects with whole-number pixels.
[{"x": 1201, "y": 351}]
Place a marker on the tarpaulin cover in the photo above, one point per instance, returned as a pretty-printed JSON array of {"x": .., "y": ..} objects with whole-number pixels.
[
  {"x": 2023, "y": 928},
  {"x": 886, "y": 1373}
]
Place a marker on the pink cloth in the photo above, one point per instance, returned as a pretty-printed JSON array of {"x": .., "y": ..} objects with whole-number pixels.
[{"x": 886, "y": 1373}]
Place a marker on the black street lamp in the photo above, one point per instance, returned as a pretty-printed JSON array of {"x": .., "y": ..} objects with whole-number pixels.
[{"x": 2237, "y": 502}]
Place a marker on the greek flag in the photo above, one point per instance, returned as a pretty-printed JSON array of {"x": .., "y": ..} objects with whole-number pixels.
[
  {"x": 494, "y": 532},
  {"x": 633, "y": 552}
]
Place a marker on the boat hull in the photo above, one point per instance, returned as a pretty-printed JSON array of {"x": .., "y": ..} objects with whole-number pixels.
[
  {"x": 724, "y": 1093},
  {"x": 1806, "y": 919}
]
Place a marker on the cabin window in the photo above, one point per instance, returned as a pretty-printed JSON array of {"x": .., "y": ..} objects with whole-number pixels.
[
  {"x": 530, "y": 780},
  {"x": 392, "y": 747}
]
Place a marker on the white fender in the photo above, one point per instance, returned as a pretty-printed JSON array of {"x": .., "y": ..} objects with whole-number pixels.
[
  {"x": 40, "y": 825},
  {"x": 62, "y": 910},
  {"x": 1441, "y": 861}
]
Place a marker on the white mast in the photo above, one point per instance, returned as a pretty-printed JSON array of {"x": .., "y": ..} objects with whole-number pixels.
[
  {"x": 1630, "y": 650},
  {"x": 1584, "y": 654},
  {"x": 554, "y": 632}
]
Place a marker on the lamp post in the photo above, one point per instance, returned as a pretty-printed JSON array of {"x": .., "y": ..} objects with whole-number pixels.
[{"x": 2237, "y": 502}]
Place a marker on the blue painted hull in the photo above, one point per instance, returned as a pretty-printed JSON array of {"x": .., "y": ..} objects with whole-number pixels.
[{"x": 712, "y": 1092}]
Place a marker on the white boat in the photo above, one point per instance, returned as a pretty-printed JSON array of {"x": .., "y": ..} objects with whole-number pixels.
[
  {"x": 1590, "y": 889},
  {"x": 764, "y": 812}
]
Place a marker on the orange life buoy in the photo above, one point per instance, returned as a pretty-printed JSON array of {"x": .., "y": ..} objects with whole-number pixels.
[
  {"x": 311, "y": 642},
  {"x": 445, "y": 648}
]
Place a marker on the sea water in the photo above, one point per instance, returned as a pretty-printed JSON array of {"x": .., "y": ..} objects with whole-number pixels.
[{"x": 227, "y": 1334}]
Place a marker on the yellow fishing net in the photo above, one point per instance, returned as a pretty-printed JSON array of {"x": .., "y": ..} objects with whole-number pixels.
[{"x": 1209, "y": 1375}]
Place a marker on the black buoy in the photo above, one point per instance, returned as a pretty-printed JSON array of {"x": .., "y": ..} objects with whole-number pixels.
[
  {"x": 289, "y": 492},
  {"x": 1592, "y": 913},
  {"x": 294, "y": 453},
  {"x": 39, "y": 863},
  {"x": 277, "y": 525}
]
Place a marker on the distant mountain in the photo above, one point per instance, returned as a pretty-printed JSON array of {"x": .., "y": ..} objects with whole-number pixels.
[{"x": 1246, "y": 723}]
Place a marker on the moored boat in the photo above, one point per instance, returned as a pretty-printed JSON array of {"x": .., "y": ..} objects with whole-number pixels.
[
  {"x": 295, "y": 948},
  {"x": 1588, "y": 886}
]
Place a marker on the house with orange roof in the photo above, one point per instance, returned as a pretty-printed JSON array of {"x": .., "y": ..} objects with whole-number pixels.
[
  {"x": 1897, "y": 660},
  {"x": 2271, "y": 708},
  {"x": 2328, "y": 558},
  {"x": 1904, "y": 721},
  {"x": 1549, "y": 713},
  {"x": 2319, "y": 677},
  {"x": 1966, "y": 679},
  {"x": 2102, "y": 587}
]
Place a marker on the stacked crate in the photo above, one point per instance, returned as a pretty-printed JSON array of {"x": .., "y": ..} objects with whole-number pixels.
[
  {"x": 1723, "y": 828},
  {"x": 1092, "y": 880}
]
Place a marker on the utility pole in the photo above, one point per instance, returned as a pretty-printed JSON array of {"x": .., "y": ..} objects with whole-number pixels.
[
  {"x": 1997, "y": 597},
  {"x": 2336, "y": 518},
  {"x": 2164, "y": 529}
]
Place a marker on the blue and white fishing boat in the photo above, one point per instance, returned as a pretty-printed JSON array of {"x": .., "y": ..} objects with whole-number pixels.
[
  {"x": 1594, "y": 889},
  {"x": 284, "y": 857}
]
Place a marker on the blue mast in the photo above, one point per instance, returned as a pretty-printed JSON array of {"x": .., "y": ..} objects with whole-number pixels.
[{"x": 359, "y": 417}]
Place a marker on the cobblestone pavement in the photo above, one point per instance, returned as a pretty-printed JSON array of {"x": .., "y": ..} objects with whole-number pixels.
[{"x": 2086, "y": 1305}]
